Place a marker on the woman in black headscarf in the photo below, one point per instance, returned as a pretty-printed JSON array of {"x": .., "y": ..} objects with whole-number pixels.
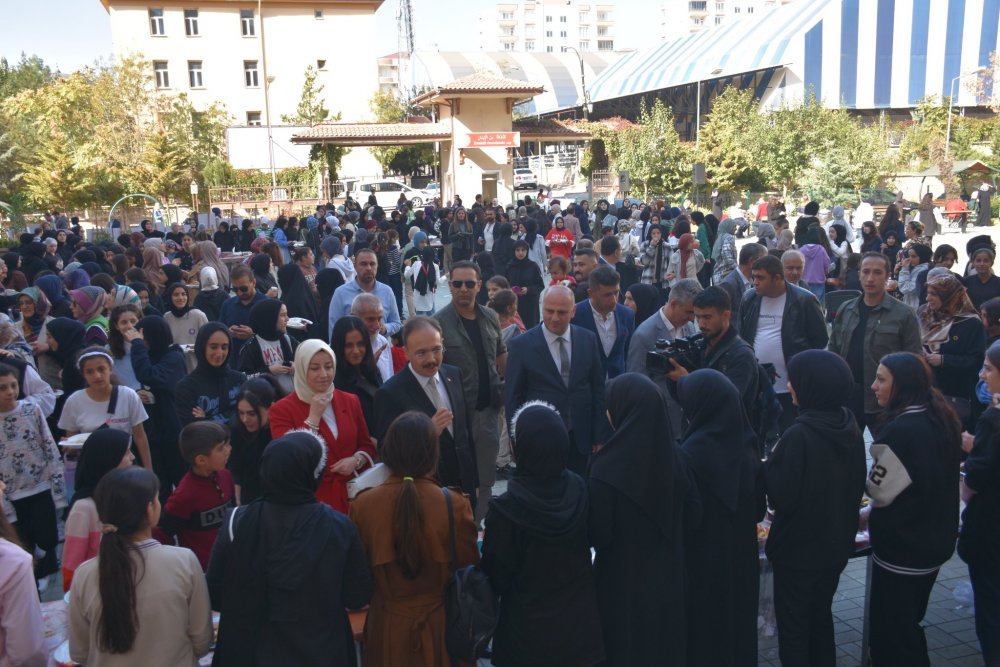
[
  {"x": 159, "y": 365},
  {"x": 356, "y": 370},
  {"x": 270, "y": 350},
  {"x": 526, "y": 281},
  {"x": 34, "y": 261},
  {"x": 285, "y": 568},
  {"x": 260, "y": 264},
  {"x": 327, "y": 282},
  {"x": 644, "y": 300},
  {"x": 487, "y": 270},
  {"x": 300, "y": 299},
  {"x": 636, "y": 521},
  {"x": 14, "y": 279},
  {"x": 209, "y": 391},
  {"x": 537, "y": 554},
  {"x": 815, "y": 479},
  {"x": 503, "y": 248},
  {"x": 722, "y": 555},
  {"x": 65, "y": 340}
]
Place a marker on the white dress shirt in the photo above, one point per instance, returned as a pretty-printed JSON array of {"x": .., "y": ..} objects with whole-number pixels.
[
  {"x": 488, "y": 237},
  {"x": 439, "y": 381},
  {"x": 552, "y": 339},
  {"x": 607, "y": 330},
  {"x": 384, "y": 360}
]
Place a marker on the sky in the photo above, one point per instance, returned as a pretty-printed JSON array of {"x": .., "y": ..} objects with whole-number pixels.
[{"x": 69, "y": 34}]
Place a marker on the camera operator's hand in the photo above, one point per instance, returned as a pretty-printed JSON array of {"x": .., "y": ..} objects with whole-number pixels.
[{"x": 678, "y": 372}]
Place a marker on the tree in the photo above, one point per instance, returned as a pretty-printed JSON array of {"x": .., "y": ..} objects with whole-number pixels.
[
  {"x": 387, "y": 107},
  {"x": 30, "y": 73},
  {"x": 730, "y": 139},
  {"x": 651, "y": 152},
  {"x": 846, "y": 156},
  {"x": 988, "y": 85},
  {"x": 312, "y": 110}
]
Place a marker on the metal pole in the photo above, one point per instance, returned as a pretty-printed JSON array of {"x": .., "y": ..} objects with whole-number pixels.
[
  {"x": 267, "y": 99},
  {"x": 697, "y": 118},
  {"x": 951, "y": 102}
]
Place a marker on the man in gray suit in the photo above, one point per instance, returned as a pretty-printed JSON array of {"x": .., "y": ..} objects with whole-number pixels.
[{"x": 674, "y": 320}]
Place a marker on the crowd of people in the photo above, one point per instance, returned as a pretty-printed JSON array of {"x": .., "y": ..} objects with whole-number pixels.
[{"x": 650, "y": 390}]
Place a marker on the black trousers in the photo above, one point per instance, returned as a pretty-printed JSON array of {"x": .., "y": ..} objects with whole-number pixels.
[
  {"x": 802, "y": 605},
  {"x": 36, "y": 526},
  {"x": 898, "y": 604},
  {"x": 985, "y": 579},
  {"x": 857, "y": 407}
]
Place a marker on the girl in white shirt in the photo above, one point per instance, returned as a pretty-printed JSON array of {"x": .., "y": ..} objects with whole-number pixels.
[{"x": 89, "y": 409}]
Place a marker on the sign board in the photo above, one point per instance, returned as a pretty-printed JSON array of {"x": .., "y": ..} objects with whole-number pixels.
[
  {"x": 624, "y": 182},
  {"x": 490, "y": 140}
]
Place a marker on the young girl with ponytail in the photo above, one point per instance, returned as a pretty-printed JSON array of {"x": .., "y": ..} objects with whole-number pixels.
[{"x": 138, "y": 602}]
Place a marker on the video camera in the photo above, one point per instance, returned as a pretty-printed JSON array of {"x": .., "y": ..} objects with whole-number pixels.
[{"x": 689, "y": 352}]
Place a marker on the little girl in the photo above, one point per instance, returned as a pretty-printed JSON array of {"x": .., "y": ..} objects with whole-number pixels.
[{"x": 103, "y": 404}]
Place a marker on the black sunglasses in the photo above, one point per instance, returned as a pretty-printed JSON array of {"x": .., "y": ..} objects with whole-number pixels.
[
  {"x": 469, "y": 284},
  {"x": 243, "y": 288}
]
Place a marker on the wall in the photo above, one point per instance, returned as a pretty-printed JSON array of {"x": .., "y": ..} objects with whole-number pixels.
[{"x": 477, "y": 115}]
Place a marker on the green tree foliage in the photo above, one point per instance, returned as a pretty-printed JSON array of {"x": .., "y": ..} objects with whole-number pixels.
[
  {"x": 846, "y": 156},
  {"x": 727, "y": 142},
  {"x": 89, "y": 137},
  {"x": 387, "y": 107},
  {"x": 311, "y": 111},
  {"x": 650, "y": 150},
  {"x": 30, "y": 73}
]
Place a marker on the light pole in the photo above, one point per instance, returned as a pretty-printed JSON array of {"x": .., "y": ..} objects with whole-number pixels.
[
  {"x": 951, "y": 103},
  {"x": 585, "y": 99},
  {"x": 267, "y": 99}
]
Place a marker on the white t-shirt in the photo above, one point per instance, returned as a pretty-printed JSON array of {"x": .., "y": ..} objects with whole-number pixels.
[
  {"x": 84, "y": 415},
  {"x": 767, "y": 343},
  {"x": 270, "y": 350}
]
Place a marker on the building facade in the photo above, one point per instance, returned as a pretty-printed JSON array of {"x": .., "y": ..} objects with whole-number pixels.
[
  {"x": 547, "y": 26},
  {"x": 234, "y": 52},
  {"x": 682, "y": 17}
]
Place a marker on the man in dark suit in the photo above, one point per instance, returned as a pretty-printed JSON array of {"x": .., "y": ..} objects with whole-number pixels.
[
  {"x": 429, "y": 386},
  {"x": 738, "y": 281},
  {"x": 559, "y": 363},
  {"x": 607, "y": 319}
]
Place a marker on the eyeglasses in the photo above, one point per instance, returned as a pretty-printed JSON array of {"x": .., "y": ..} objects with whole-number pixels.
[
  {"x": 242, "y": 289},
  {"x": 458, "y": 284},
  {"x": 423, "y": 354}
]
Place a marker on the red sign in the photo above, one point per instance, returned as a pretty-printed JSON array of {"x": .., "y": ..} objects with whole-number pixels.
[{"x": 492, "y": 140}]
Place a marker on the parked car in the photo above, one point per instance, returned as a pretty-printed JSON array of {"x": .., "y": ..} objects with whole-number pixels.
[
  {"x": 387, "y": 193},
  {"x": 525, "y": 179}
]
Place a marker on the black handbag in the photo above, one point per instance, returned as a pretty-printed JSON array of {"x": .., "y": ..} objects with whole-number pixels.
[{"x": 471, "y": 607}]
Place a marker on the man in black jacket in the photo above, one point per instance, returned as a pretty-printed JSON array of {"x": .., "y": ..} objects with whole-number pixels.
[
  {"x": 726, "y": 352},
  {"x": 780, "y": 320},
  {"x": 738, "y": 281}
]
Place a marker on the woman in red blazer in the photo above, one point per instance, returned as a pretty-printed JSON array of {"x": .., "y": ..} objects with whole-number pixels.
[{"x": 333, "y": 415}]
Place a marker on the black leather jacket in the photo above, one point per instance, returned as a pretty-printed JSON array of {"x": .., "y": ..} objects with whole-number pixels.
[{"x": 803, "y": 326}]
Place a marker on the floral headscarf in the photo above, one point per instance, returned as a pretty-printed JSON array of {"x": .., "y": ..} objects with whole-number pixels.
[
  {"x": 92, "y": 301},
  {"x": 935, "y": 325}
]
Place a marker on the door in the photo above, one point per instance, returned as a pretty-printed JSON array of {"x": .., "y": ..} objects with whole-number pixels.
[{"x": 489, "y": 189}]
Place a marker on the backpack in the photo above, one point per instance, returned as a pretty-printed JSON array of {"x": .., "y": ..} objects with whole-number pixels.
[{"x": 471, "y": 607}]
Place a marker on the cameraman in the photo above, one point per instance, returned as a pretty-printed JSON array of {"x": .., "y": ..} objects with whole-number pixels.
[
  {"x": 674, "y": 320},
  {"x": 726, "y": 352}
]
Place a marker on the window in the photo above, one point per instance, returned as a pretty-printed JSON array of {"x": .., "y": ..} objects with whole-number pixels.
[
  {"x": 321, "y": 65},
  {"x": 562, "y": 33},
  {"x": 161, "y": 73},
  {"x": 194, "y": 74},
  {"x": 736, "y": 10},
  {"x": 548, "y": 49},
  {"x": 563, "y": 49},
  {"x": 248, "y": 23},
  {"x": 548, "y": 33},
  {"x": 749, "y": 10},
  {"x": 508, "y": 30},
  {"x": 562, "y": 19},
  {"x": 529, "y": 30},
  {"x": 718, "y": 20},
  {"x": 506, "y": 16},
  {"x": 548, "y": 19},
  {"x": 720, "y": 7},
  {"x": 253, "y": 118},
  {"x": 250, "y": 77},
  {"x": 583, "y": 31},
  {"x": 529, "y": 45},
  {"x": 585, "y": 46},
  {"x": 156, "y": 27},
  {"x": 603, "y": 16},
  {"x": 191, "y": 22},
  {"x": 318, "y": 14},
  {"x": 602, "y": 31},
  {"x": 584, "y": 18},
  {"x": 508, "y": 46},
  {"x": 605, "y": 45}
]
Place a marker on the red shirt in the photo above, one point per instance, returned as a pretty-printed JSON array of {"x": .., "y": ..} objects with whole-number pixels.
[
  {"x": 195, "y": 510},
  {"x": 560, "y": 242},
  {"x": 291, "y": 412}
]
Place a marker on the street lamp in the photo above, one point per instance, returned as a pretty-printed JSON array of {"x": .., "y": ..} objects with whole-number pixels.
[
  {"x": 951, "y": 102},
  {"x": 267, "y": 99},
  {"x": 583, "y": 84},
  {"x": 697, "y": 113}
]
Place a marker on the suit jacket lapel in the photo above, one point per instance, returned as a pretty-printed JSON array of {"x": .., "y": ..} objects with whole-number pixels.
[
  {"x": 418, "y": 392},
  {"x": 545, "y": 354}
]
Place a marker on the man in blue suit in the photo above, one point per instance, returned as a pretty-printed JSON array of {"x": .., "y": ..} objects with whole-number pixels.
[
  {"x": 560, "y": 363},
  {"x": 607, "y": 319}
]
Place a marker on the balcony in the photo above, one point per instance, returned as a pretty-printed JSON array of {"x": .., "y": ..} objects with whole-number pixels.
[{"x": 698, "y": 7}]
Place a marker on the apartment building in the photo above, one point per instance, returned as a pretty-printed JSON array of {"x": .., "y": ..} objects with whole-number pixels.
[
  {"x": 214, "y": 51},
  {"x": 682, "y": 17},
  {"x": 547, "y": 26}
]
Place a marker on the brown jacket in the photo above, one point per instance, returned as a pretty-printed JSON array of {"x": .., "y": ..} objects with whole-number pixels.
[{"x": 406, "y": 621}]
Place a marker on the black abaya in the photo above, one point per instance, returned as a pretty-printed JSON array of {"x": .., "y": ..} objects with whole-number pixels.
[{"x": 524, "y": 273}]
